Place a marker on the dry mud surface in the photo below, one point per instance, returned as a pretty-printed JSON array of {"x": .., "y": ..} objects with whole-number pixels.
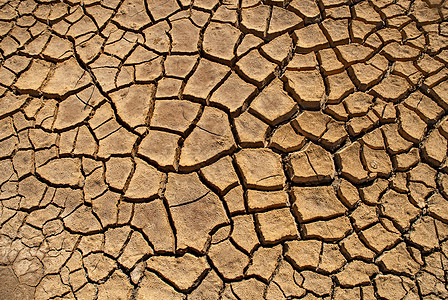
[{"x": 223, "y": 149}]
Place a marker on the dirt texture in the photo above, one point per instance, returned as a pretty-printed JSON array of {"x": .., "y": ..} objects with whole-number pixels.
[{"x": 224, "y": 149}]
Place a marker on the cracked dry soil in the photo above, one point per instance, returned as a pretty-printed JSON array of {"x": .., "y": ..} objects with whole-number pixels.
[{"x": 223, "y": 149}]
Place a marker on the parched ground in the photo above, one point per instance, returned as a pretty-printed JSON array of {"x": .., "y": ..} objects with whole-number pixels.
[{"x": 224, "y": 149}]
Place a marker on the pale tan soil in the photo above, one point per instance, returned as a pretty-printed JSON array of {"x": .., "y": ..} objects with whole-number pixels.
[{"x": 253, "y": 149}]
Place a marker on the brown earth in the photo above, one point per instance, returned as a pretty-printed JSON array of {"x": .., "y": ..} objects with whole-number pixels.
[{"x": 206, "y": 149}]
